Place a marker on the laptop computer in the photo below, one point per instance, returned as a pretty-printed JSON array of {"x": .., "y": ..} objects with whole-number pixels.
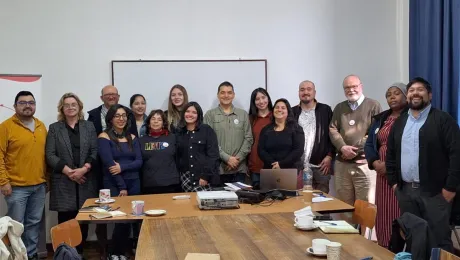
[{"x": 282, "y": 179}]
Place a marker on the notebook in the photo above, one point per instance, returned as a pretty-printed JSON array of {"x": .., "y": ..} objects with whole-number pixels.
[{"x": 340, "y": 227}]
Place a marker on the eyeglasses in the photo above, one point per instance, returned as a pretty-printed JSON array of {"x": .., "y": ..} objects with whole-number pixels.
[
  {"x": 351, "y": 87},
  {"x": 118, "y": 116},
  {"x": 111, "y": 95},
  {"x": 67, "y": 106},
  {"x": 24, "y": 103}
]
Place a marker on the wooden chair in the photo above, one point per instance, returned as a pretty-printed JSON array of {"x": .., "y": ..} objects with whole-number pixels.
[
  {"x": 364, "y": 215},
  {"x": 440, "y": 254},
  {"x": 6, "y": 240},
  {"x": 67, "y": 232}
]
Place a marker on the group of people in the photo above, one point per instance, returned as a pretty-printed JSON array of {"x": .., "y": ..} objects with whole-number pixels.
[{"x": 410, "y": 152}]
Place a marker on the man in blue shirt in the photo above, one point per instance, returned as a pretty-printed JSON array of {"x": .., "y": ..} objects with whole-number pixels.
[{"x": 423, "y": 161}]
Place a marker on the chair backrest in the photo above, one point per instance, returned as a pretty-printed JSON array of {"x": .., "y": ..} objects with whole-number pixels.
[
  {"x": 6, "y": 240},
  {"x": 67, "y": 232},
  {"x": 440, "y": 254},
  {"x": 364, "y": 214}
]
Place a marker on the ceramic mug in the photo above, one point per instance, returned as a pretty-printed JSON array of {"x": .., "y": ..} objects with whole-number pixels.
[{"x": 104, "y": 195}]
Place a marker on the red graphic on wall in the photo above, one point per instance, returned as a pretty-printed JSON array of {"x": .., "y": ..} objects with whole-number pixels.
[{"x": 24, "y": 78}]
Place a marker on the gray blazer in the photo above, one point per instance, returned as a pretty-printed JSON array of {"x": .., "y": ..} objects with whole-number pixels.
[{"x": 63, "y": 191}]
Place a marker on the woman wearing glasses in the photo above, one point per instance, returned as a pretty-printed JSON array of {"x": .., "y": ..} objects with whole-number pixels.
[
  {"x": 71, "y": 149},
  {"x": 122, "y": 160}
]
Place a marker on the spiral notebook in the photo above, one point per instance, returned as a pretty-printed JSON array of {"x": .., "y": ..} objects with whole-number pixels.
[{"x": 336, "y": 227}]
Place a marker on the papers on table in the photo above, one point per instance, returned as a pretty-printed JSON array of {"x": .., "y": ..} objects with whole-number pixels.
[
  {"x": 237, "y": 186},
  {"x": 336, "y": 226},
  {"x": 320, "y": 199},
  {"x": 304, "y": 212}
]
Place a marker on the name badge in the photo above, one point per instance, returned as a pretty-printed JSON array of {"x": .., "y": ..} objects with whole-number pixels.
[{"x": 236, "y": 121}]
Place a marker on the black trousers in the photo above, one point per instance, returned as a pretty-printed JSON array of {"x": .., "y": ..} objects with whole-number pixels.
[
  {"x": 175, "y": 188},
  {"x": 434, "y": 209},
  {"x": 68, "y": 215}
]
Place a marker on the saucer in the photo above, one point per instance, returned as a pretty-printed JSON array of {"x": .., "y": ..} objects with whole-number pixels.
[
  {"x": 305, "y": 228},
  {"x": 105, "y": 202},
  {"x": 155, "y": 212},
  {"x": 310, "y": 251}
]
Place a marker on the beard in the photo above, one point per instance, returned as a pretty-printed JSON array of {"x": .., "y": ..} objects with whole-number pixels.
[
  {"x": 306, "y": 101},
  {"x": 418, "y": 106}
]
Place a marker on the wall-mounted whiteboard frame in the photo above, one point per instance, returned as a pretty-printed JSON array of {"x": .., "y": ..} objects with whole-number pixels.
[{"x": 138, "y": 69}]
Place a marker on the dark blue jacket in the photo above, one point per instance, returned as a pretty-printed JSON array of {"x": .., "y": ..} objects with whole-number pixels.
[{"x": 371, "y": 149}]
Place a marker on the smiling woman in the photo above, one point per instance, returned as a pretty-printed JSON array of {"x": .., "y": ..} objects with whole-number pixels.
[{"x": 71, "y": 149}]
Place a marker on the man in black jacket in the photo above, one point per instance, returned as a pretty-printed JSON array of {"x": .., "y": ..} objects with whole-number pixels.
[
  {"x": 314, "y": 118},
  {"x": 423, "y": 161},
  {"x": 110, "y": 97}
]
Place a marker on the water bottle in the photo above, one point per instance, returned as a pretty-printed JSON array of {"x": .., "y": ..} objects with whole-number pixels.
[{"x": 307, "y": 179}]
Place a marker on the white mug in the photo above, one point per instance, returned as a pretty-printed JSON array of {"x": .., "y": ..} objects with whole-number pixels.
[
  {"x": 304, "y": 221},
  {"x": 319, "y": 245},
  {"x": 104, "y": 195},
  {"x": 137, "y": 207}
]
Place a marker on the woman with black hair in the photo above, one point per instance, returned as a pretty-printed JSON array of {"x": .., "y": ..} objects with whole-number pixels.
[
  {"x": 198, "y": 151},
  {"x": 281, "y": 143},
  {"x": 158, "y": 147},
  {"x": 138, "y": 106},
  {"x": 121, "y": 157},
  {"x": 260, "y": 113}
]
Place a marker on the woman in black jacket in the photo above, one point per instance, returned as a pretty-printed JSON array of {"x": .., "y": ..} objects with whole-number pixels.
[
  {"x": 159, "y": 172},
  {"x": 198, "y": 151}
]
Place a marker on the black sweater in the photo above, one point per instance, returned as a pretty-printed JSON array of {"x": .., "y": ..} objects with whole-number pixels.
[
  {"x": 323, "y": 145},
  {"x": 439, "y": 154},
  {"x": 285, "y": 147},
  {"x": 159, "y": 156}
]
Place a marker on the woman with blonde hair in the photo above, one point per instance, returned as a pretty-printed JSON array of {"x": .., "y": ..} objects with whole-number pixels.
[
  {"x": 71, "y": 149},
  {"x": 178, "y": 97}
]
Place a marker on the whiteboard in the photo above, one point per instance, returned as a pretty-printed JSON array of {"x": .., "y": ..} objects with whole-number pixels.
[{"x": 201, "y": 78}]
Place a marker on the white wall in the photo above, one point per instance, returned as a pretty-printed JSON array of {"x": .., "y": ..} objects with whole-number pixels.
[{"x": 72, "y": 42}]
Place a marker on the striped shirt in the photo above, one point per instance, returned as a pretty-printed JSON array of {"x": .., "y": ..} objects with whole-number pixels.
[{"x": 234, "y": 136}]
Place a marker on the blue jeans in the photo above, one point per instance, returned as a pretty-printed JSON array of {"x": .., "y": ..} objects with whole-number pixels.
[
  {"x": 25, "y": 205},
  {"x": 255, "y": 178}
]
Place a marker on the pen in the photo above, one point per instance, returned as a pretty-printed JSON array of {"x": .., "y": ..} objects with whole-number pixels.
[{"x": 333, "y": 224}]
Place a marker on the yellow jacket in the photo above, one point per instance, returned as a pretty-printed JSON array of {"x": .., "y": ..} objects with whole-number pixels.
[{"x": 22, "y": 153}]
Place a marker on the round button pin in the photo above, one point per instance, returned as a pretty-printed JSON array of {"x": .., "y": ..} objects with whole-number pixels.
[{"x": 352, "y": 122}]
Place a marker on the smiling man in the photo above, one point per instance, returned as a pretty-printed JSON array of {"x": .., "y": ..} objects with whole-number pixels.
[
  {"x": 234, "y": 134},
  {"x": 23, "y": 168},
  {"x": 423, "y": 161},
  {"x": 350, "y": 122},
  {"x": 314, "y": 118},
  {"x": 109, "y": 97}
]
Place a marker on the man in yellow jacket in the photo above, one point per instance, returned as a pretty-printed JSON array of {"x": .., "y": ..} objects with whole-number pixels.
[{"x": 23, "y": 168}]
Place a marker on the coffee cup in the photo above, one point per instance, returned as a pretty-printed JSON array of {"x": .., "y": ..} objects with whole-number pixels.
[
  {"x": 304, "y": 221},
  {"x": 137, "y": 207},
  {"x": 104, "y": 195},
  {"x": 333, "y": 250},
  {"x": 319, "y": 245}
]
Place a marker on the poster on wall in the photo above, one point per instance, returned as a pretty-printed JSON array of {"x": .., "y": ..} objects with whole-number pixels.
[{"x": 10, "y": 85}]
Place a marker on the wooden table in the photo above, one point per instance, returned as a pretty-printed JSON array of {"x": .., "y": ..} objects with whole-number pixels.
[
  {"x": 189, "y": 208},
  {"x": 254, "y": 236}
]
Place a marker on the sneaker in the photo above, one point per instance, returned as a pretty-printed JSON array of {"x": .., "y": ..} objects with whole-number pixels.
[
  {"x": 122, "y": 257},
  {"x": 113, "y": 257}
]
